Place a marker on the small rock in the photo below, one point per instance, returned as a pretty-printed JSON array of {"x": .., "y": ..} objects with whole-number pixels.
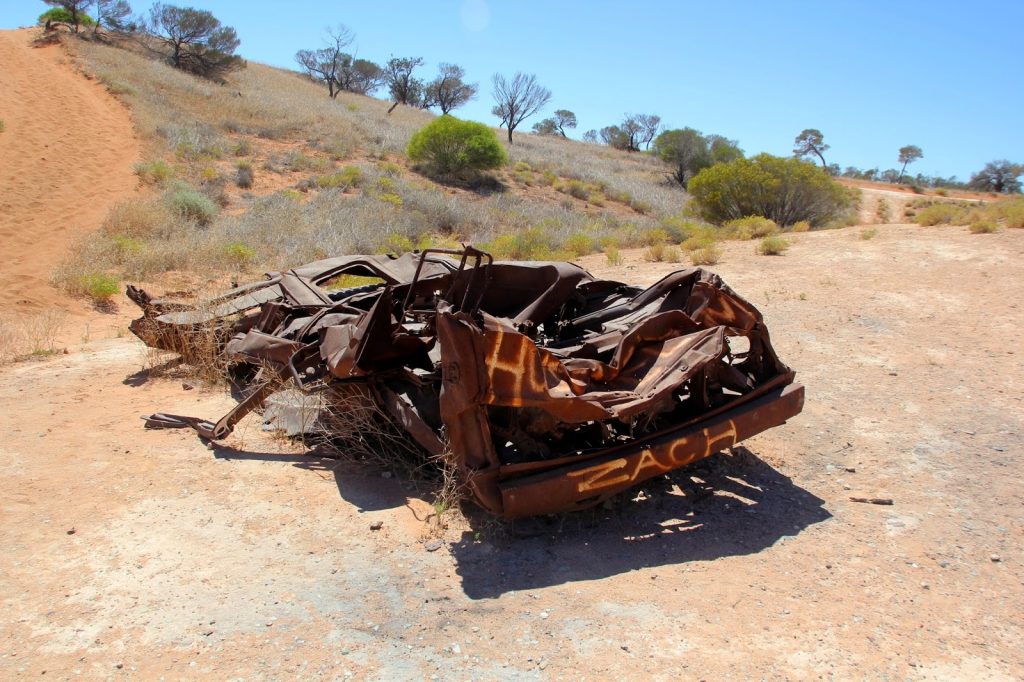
[
  {"x": 456, "y": 649},
  {"x": 544, "y": 615},
  {"x": 850, "y": 470},
  {"x": 119, "y": 666},
  {"x": 543, "y": 663},
  {"x": 433, "y": 545},
  {"x": 943, "y": 564},
  {"x": 207, "y": 633},
  {"x": 376, "y": 525},
  {"x": 71, "y": 531},
  {"x": 995, "y": 558},
  {"x": 925, "y": 586}
]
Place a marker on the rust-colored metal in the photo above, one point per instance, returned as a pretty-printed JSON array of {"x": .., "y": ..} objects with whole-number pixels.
[{"x": 552, "y": 389}]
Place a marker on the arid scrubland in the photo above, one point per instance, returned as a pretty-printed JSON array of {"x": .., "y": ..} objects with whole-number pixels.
[{"x": 266, "y": 171}]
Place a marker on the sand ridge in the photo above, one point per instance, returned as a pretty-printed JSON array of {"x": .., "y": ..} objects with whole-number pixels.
[{"x": 66, "y": 155}]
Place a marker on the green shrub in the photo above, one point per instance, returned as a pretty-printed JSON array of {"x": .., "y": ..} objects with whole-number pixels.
[
  {"x": 982, "y": 226},
  {"x": 449, "y": 146},
  {"x": 1010, "y": 211},
  {"x": 942, "y": 192},
  {"x": 882, "y": 211},
  {"x": 655, "y": 253},
  {"x": 611, "y": 253},
  {"x": 750, "y": 227},
  {"x": 940, "y": 213},
  {"x": 192, "y": 204},
  {"x": 772, "y": 245},
  {"x": 867, "y": 234},
  {"x": 579, "y": 244},
  {"x": 349, "y": 176},
  {"x": 155, "y": 172},
  {"x": 238, "y": 254},
  {"x": 801, "y": 226},
  {"x": 708, "y": 255},
  {"x": 785, "y": 190},
  {"x": 242, "y": 148},
  {"x": 390, "y": 168},
  {"x": 99, "y": 287},
  {"x": 63, "y": 16}
]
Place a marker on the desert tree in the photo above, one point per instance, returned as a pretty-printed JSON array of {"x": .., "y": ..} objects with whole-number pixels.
[
  {"x": 75, "y": 11},
  {"x": 998, "y": 176},
  {"x": 908, "y": 154},
  {"x": 517, "y": 99},
  {"x": 112, "y": 15},
  {"x": 449, "y": 90},
  {"x": 196, "y": 40},
  {"x": 323, "y": 65},
  {"x": 686, "y": 150},
  {"x": 590, "y": 136},
  {"x": 722, "y": 149},
  {"x": 810, "y": 141},
  {"x": 360, "y": 76},
  {"x": 556, "y": 124},
  {"x": 634, "y": 133},
  {"x": 402, "y": 85}
]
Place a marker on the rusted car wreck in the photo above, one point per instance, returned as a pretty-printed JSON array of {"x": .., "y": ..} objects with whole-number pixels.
[{"x": 552, "y": 390}]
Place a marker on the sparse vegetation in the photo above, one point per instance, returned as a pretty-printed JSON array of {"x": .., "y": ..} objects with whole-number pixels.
[
  {"x": 244, "y": 175},
  {"x": 868, "y": 233},
  {"x": 883, "y": 212},
  {"x": 97, "y": 286},
  {"x": 706, "y": 255},
  {"x": 784, "y": 190},
  {"x": 154, "y": 172},
  {"x": 772, "y": 246},
  {"x": 190, "y": 204},
  {"x": 982, "y": 226},
  {"x": 751, "y": 227}
]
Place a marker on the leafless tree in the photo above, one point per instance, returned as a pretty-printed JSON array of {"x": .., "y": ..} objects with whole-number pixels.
[
  {"x": 324, "y": 65},
  {"x": 517, "y": 99}
]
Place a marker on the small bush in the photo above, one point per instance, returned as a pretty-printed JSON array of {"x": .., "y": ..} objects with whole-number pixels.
[
  {"x": 671, "y": 254},
  {"x": 750, "y": 227},
  {"x": 63, "y": 16},
  {"x": 155, "y": 172},
  {"x": 242, "y": 148},
  {"x": 655, "y": 253},
  {"x": 349, "y": 176},
  {"x": 522, "y": 167},
  {"x": 611, "y": 253},
  {"x": 772, "y": 246},
  {"x": 708, "y": 255},
  {"x": 191, "y": 204},
  {"x": 1011, "y": 212},
  {"x": 942, "y": 192},
  {"x": 99, "y": 287},
  {"x": 785, "y": 190},
  {"x": 869, "y": 233},
  {"x": 801, "y": 226},
  {"x": 449, "y": 146},
  {"x": 940, "y": 214},
  {"x": 882, "y": 211},
  {"x": 579, "y": 244},
  {"x": 390, "y": 168},
  {"x": 244, "y": 175},
  {"x": 2, "y": 126},
  {"x": 983, "y": 227},
  {"x": 238, "y": 254}
]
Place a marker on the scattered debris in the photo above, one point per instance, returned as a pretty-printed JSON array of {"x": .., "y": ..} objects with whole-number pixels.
[
  {"x": 545, "y": 389},
  {"x": 872, "y": 500}
]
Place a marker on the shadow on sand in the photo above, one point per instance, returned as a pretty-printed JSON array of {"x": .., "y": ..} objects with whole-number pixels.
[
  {"x": 730, "y": 504},
  {"x": 727, "y": 505}
]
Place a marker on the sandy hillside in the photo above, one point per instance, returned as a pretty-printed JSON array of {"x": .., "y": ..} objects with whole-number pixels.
[{"x": 66, "y": 155}]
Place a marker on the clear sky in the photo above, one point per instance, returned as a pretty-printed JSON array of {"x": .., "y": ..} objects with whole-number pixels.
[{"x": 872, "y": 76}]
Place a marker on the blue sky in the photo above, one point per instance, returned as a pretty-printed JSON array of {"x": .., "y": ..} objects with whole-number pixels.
[{"x": 872, "y": 76}]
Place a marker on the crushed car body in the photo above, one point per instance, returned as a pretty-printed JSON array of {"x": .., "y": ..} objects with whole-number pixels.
[{"x": 551, "y": 390}]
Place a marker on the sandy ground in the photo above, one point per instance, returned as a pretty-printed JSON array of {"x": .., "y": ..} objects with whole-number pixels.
[
  {"x": 252, "y": 560},
  {"x": 66, "y": 155},
  {"x": 135, "y": 554}
]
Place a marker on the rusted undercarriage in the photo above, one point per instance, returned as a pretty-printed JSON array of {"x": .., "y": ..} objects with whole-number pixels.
[{"x": 553, "y": 390}]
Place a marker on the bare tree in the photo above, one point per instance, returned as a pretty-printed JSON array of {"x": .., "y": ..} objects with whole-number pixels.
[
  {"x": 404, "y": 88},
  {"x": 908, "y": 154},
  {"x": 449, "y": 91},
  {"x": 323, "y": 65},
  {"x": 111, "y": 14},
  {"x": 517, "y": 99},
  {"x": 196, "y": 40},
  {"x": 810, "y": 141}
]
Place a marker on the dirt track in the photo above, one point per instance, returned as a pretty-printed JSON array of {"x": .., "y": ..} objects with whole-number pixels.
[
  {"x": 66, "y": 155},
  {"x": 251, "y": 560}
]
